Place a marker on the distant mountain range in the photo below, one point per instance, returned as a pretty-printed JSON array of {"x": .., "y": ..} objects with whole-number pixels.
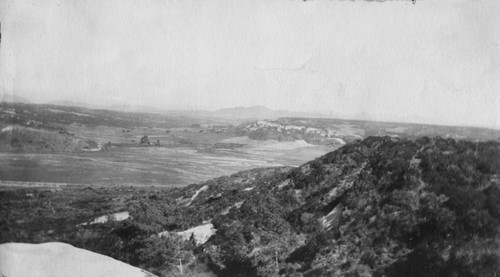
[
  {"x": 248, "y": 113},
  {"x": 70, "y": 104},
  {"x": 10, "y": 98},
  {"x": 253, "y": 112},
  {"x": 240, "y": 114},
  {"x": 261, "y": 112}
]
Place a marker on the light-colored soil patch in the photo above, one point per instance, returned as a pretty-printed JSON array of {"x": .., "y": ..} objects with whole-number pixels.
[
  {"x": 105, "y": 218},
  {"x": 57, "y": 259},
  {"x": 200, "y": 234}
]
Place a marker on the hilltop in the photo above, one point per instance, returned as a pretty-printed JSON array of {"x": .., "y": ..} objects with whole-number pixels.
[
  {"x": 329, "y": 131},
  {"x": 381, "y": 206}
]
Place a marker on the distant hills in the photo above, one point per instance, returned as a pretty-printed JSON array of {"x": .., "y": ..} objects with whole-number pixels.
[
  {"x": 258, "y": 122},
  {"x": 10, "y": 98},
  {"x": 241, "y": 114},
  {"x": 261, "y": 112},
  {"x": 247, "y": 113},
  {"x": 329, "y": 131},
  {"x": 70, "y": 104}
]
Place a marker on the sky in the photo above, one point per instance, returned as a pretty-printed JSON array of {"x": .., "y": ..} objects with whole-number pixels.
[{"x": 436, "y": 61}]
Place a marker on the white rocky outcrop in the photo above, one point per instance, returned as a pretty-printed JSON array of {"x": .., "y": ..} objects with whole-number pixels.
[
  {"x": 9, "y": 128},
  {"x": 55, "y": 259},
  {"x": 328, "y": 220},
  {"x": 105, "y": 218},
  {"x": 339, "y": 140},
  {"x": 196, "y": 194},
  {"x": 201, "y": 233}
]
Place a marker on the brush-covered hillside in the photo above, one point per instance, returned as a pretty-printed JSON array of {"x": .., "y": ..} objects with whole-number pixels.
[{"x": 377, "y": 207}]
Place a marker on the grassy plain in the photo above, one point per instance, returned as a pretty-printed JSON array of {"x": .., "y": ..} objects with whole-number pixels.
[{"x": 185, "y": 156}]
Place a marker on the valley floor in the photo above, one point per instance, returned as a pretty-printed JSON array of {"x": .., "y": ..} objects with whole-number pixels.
[{"x": 170, "y": 166}]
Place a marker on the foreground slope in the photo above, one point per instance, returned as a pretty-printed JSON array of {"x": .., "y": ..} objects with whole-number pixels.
[
  {"x": 59, "y": 259},
  {"x": 378, "y": 207}
]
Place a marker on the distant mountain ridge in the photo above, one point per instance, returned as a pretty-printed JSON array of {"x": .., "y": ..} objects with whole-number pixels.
[
  {"x": 257, "y": 122},
  {"x": 248, "y": 113},
  {"x": 10, "y": 98},
  {"x": 261, "y": 112},
  {"x": 70, "y": 104}
]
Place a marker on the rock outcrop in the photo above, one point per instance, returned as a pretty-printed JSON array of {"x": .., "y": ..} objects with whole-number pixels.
[{"x": 60, "y": 259}]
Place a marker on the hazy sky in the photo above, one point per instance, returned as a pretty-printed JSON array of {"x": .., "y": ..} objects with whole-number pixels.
[{"x": 436, "y": 60}]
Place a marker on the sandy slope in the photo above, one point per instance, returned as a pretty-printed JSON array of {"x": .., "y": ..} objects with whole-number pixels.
[
  {"x": 200, "y": 233},
  {"x": 57, "y": 259},
  {"x": 105, "y": 218}
]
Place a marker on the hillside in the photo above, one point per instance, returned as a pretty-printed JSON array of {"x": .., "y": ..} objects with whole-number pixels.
[
  {"x": 47, "y": 115},
  {"x": 327, "y": 131},
  {"x": 381, "y": 206}
]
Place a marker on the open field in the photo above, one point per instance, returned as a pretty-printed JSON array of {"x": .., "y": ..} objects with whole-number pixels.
[
  {"x": 76, "y": 145},
  {"x": 169, "y": 166}
]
